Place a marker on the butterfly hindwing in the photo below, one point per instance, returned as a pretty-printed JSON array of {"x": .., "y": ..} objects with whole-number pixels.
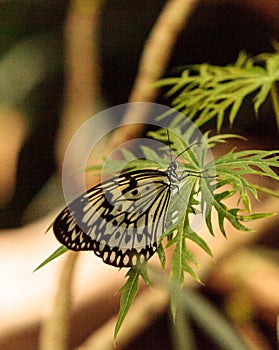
[{"x": 120, "y": 219}]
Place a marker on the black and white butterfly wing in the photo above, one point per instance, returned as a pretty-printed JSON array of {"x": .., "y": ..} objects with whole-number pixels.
[{"x": 121, "y": 219}]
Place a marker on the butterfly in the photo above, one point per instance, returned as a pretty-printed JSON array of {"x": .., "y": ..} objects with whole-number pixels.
[{"x": 120, "y": 219}]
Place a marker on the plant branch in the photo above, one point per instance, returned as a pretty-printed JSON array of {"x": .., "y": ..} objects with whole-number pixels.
[
  {"x": 82, "y": 70},
  {"x": 82, "y": 82},
  {"x": 153, "y": 62},
  {"x": 55, "y": 329}
]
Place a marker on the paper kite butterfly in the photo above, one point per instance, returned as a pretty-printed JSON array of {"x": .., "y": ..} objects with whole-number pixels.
[{"x": 120, "y": 219}]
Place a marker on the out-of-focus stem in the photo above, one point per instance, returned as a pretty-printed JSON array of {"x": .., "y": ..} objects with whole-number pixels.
[{"x": 275, "y": 103}]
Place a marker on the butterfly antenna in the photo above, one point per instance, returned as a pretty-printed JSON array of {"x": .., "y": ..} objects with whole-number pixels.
[
  {"x": 168, "y": 135},
  {"x": 186, "y": 149}
]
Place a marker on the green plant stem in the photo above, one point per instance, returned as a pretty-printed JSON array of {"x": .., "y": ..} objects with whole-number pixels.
[
  {"x": 267, "y": 191},
  {"x": 275, "y": 102}
]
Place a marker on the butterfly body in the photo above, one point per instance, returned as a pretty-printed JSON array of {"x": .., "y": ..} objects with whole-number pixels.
[{"x": 120, "y": 219}]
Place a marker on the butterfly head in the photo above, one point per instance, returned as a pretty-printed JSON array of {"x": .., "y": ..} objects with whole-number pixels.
[{"x": 172, "y": 166}]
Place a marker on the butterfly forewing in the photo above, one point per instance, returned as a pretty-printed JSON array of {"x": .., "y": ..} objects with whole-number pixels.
[{"x": 120, "y": 219}]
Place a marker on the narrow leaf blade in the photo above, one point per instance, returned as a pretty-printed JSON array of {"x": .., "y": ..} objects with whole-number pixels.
[
  {"x": 61, "y": 250},
  {"x": 129, "y": 290}
]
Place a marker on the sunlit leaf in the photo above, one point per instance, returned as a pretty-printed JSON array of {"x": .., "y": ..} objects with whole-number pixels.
[{"x": 204, "y": 92}]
